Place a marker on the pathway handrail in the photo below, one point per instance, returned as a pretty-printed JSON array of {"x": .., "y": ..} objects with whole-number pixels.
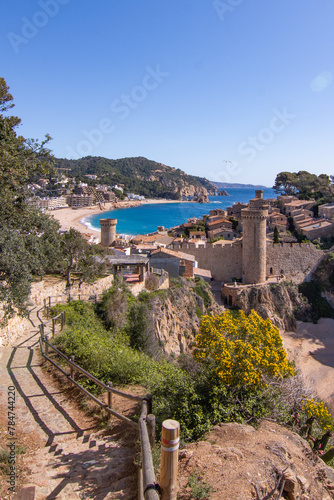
[
  {"x": 47, "y": 301},
  {"x": 147, "y": 487}
]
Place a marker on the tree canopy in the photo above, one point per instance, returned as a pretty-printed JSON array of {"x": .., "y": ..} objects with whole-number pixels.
[
  {"x": 305, "y": 185},
  {"x": 25, "y": 233},
  {"x": 30, "y": 243}
]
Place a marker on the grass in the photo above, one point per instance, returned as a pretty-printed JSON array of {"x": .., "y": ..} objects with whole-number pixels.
[{"x": 200, "y": 489}]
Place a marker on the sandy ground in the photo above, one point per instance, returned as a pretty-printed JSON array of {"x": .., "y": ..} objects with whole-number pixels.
[
  {"x": 71, "y": 218},
  {"x": 311, "y": 346}
]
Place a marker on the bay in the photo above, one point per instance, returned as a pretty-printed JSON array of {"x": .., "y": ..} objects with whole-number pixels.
[{"x": 145, "y": 218}]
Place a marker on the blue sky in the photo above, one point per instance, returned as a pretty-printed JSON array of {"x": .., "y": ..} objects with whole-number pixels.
[{"x": 233, "y": 90}]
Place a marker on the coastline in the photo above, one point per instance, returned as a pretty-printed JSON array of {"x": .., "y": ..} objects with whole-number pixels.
[{"x": 72, "y": 218}]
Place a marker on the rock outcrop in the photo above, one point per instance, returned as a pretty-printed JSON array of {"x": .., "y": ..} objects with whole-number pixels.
[
  {"x": 176, "y": 314},
  {"x": 282, "y": 303},
  {"x": 203, "y": 198},
  {"x": 223, "y": 193},
  {"x": 238, "y": 461}
]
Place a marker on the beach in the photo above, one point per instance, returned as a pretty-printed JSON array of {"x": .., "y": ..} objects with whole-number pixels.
[{"x": 71, "y": 218}]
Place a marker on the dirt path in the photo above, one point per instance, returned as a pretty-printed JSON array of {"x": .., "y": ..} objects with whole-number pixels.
[
  {"x": 72, "y": 460},
  {"x": 312, "y": 348}
]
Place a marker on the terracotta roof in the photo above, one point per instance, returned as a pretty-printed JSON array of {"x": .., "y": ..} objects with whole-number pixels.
[
  {"x": 174, "y": 253},
  {"x": 205, "y": 273}
]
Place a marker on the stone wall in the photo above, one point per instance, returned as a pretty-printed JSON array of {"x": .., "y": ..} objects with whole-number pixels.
[
  {"x": 295, "y": 260},
  {"x": 224, "y": 261},
  {"x": 39, "y": 291},
  {"x": 15, "y": 328}
]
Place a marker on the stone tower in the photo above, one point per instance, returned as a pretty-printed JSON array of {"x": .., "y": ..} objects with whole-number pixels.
[
  {"x": 108, "y": 231},
  {"x": 254, "y": 223}
]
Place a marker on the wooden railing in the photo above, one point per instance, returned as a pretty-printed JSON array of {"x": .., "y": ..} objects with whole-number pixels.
[{"x": 147, "y": 488}]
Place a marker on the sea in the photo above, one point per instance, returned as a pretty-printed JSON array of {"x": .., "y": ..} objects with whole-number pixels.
[{"x": 146, "y": 218}]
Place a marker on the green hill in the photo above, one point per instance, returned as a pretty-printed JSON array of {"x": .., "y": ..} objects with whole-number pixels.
[{"x": 139, "y": 175}]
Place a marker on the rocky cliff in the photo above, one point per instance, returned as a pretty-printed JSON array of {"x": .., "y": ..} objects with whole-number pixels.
[
  {"x": 282, "y": 303},
  {"x": 176, "y": 313}
]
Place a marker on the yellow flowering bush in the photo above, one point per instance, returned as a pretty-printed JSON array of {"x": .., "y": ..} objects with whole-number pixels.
[
  {"x": 319, "y": 412},
  {"x": 244, "y": 348}
]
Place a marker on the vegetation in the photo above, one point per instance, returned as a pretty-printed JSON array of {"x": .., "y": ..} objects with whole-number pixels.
[
  {"x": 276, "y": 235},
  {"x": 76, "y": 255},
  {"x": 114, "y": 341},
  {"x": 30, "y": 244},
  {"x": 312, "y": 290},
  {"x": 138, "y": 175},
  {"x": 306, "y": 186},
  {"x": 200, "y": 489},
  {"x": 245, "y": 349},
  {"x": 26, "y": 235}
]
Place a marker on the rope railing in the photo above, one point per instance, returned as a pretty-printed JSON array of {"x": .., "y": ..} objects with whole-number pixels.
[{"x": 147, "y": 488}]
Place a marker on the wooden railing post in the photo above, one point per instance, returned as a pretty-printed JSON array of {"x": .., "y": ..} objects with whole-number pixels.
[
  {"x": 148, "y": 398},
  {"x": 53, "y": 326},
  {"x": 50, "y": 300},
  {"x": 46, "y": 346},
  {"x": 150, "y": 421},
  {"x": 72, "y": 367},
  {"x": 170, "y": 439},
  {"x": 110, "y": 396}
]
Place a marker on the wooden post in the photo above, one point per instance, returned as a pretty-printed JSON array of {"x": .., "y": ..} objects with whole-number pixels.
[
  {"x": 72, "y": 367},
  {"x": 110, "y": 396},
  {"x": 46, "y": 346},
  {"x": 50, "y": 301},
  {"x": 170, "y": 439},
  {"x": 150, "y": 420},
  {"x": 148, "y": 398},
  {"x": 53, "y": 326}
]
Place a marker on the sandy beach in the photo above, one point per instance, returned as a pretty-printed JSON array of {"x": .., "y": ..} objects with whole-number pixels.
[
  {"x": 70, "y": 218},
  {"x": 311, "y": 346}
]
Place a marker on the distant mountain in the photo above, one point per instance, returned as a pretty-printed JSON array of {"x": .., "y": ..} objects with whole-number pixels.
[
  {"x": 139, "y": 175},
  {"x": 226, "y": 185}
]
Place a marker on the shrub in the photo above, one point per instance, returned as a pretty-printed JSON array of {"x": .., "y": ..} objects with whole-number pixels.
[
  {"x": 245, "y": 349},
  {"x": 152, "y": 282}
]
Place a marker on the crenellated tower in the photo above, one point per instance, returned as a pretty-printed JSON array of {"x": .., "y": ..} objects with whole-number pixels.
[
  {"x": 254, "y": 223},
  {"x": 108, "y": 231}
]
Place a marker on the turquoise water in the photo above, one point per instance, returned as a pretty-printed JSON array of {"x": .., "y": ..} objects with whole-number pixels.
[{"x": 145, "y": 218}]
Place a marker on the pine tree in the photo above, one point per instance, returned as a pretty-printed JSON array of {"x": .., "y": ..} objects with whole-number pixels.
[{"x": 276, "y": 235}]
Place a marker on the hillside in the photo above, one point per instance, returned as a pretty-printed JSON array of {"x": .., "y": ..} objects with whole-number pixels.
[{"x": 139, "y": 175}]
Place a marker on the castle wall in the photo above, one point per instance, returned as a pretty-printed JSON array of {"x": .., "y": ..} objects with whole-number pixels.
[
  {"x": 294, "y": 260},
  {"x": 224, "y": 261}
]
